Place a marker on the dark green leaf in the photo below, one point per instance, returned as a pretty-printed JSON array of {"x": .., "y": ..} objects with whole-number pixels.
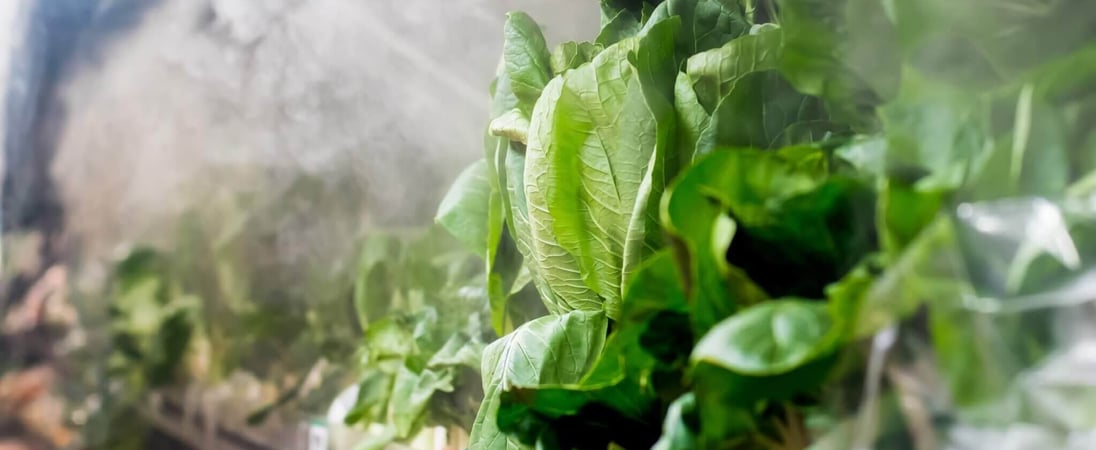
[
  {"x": 768, "y": 339},
  {"x": 622, "y": 26},
  {"x": 705, "y": 24}
]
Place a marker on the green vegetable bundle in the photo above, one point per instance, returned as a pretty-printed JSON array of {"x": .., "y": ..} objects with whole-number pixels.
[
  {"x": 704, "y": 197},
  {"x": 422, "y": 305}
]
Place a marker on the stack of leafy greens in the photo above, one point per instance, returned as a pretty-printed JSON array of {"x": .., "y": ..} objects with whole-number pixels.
[
  {"x": 703, "y": 197},
  {"x": 216, "y": 304},
  {"x": 421, "y": 301}
]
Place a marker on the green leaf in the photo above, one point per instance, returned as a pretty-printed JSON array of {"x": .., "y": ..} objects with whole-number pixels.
[
  {"x": 550, "y": 350},
  {"x": 608, "y": 405},
  {"x": 618, "y": 396},
  {"x": 459, "y": 350},
  {"x": 845, "y": 51},
  {"x": 737, "y": 408},
  {"x": 589, "y": 175},
  {"x": 679, "y": 429},
  {"x": 705, "y": 24},
  {"x": 937, "y": 129},
  {"x": 412, "y": 393},
  {"x": 745, "y": 101},
  {"x": 513, "y": 125},
  {"x": 655, "y": 66},
  {"x": 571, "y": 54},
  {"x": 904, "y": 212},
  {"x": 374, "y": 392},
  {"x": 527, "y": 60},
  {"x": 373, "y": 288},
  {"x": 620, "y": 393},
  {"x": 555, "y": 271},
  {"x": 820, "y": 234},
  {"x": 715, "y": 72},
  {"x": 692, "y": 118},
  {"x": 763, "y": 111},
  {"x": 657, "y": 286},
  {"x": 387, "y": 339},
  {"x": 749, "y": 183},
  {"x": 512, "y": 163},
  {"x": 464, "y": 210},
  {"x": 866, "y": 154},
  {"x": 963, "y": 44},
  {"x": 610, "y": 9},
  {"x": 767, "y": 339},
  {"x": 622, "y": 26}
]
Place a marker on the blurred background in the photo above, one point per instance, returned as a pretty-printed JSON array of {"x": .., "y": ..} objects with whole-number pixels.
[{"x": 244, "y": 147}]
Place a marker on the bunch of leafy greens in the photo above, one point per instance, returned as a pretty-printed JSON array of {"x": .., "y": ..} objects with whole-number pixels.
[
  {"x": 422, "y": 304},
  {"x": 152, "y": 323},
  {"x": 219, "y": 300},
  {"x": 703, "y": 197}
]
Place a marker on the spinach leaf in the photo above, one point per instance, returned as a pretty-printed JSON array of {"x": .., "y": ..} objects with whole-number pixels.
[
  {"x": 770, "y": 338},
  {"x": 551, "y": 350},
  {"x": 464, "y": 210}
]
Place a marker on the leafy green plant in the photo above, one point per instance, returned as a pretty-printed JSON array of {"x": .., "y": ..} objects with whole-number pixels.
[
  {"x": 152, "y": 321},
  {"x": 706, "y": 195},
  {"x": 422, "y": 305}
]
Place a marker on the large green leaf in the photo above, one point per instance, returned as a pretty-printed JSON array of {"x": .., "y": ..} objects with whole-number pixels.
[
  {"x": 524, "y": 70},
  {"x": 642, "y": 364},
  {"x": 655, "y": 65},
  {"x": 622, "y": 26},
  {"x": 526, "y": 58},
  {"x": 745, "y": 101},
  {"x": 768, "y": 339},
  {"x": 606, "y": 406},
  {"x": 464, "y": 210},
  {"x": 591, "y": 144},
  {"x": 694, "y": 211},
  {"x": 692, "y": 118},
  {"x": 715, "y": 72},
  {"x": 555, "y": 272},
  {"x": 552, "y": 350},
  {"x": 763, "y": 111}
]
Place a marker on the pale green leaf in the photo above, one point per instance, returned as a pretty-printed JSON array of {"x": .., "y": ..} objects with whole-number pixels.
[
  {"x": 527, "y": 61},
  {"x": 464, "y": 210}
]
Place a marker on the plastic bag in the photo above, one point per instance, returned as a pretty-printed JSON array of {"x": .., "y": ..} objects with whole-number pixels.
[{"x": 983, "y": 337}]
